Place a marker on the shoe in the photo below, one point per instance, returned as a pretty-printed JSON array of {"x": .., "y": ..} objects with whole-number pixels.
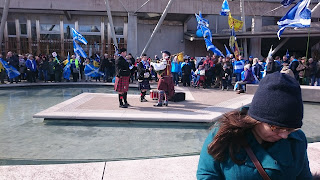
[
  {"x": 227, "y": 88},
  {"x": 123, "y": 106},
  {"x": 143, "y": 100},
  {"x": 238, "y": 92},
  {"x": 127, "y": 104},
  {"x": 222, "y": 88},
  {"x": 158, "y": 105},
  {"x": 165, "y": 103}
]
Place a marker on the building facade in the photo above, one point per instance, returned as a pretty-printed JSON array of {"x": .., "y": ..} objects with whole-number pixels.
[{"x": 42, "y": 27}]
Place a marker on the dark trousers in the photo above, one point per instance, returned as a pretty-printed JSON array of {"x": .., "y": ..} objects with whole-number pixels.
[
  {"x": 224, "y": 83},
  {"x": 75, "y": 77},
  {"x": 57, "y": 76},
  {"x": 186, "y": 80},
  {"x": 31, "y": 76},
  {"x": 2, "y": 76}
]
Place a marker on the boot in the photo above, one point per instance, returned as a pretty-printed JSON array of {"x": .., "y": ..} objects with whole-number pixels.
[{"x": 125, "y": 99}]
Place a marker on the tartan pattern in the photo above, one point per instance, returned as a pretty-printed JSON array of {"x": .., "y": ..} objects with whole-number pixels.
[
  {"x": 144, "y": 84},
  {"x": 122, "y": 84}
]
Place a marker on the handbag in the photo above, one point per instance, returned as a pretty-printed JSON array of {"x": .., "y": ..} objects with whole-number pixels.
[{"x": 256, "y": 162}]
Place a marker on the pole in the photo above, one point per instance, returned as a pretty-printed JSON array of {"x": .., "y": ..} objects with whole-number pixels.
[
  {"x": 4, "y": 20},
  {"x": 243, "y": 19},
  {"x": 111, "y": 23},
  {"x": 164, "y": 14}
]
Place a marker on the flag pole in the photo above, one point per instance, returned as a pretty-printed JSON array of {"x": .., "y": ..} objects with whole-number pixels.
[
  {"x": 313, "y": 9},
  {"x": 111, "y": 23},
  {"x": 4, "y": 20},
  {"x": 243, "y": 19},
  {"x": 164, "y": 14}
]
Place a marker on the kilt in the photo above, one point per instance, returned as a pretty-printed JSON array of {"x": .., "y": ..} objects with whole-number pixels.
[
  {"x": 144, "y": 85},
  {"x": 166, "y": 84},
  {"x": 122, "y": 84}
]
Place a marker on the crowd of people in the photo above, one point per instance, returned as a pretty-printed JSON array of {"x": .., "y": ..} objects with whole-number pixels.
[{"x": 210, "y": 71}]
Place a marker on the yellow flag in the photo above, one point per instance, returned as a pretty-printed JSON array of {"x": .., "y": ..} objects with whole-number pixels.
[
  {"x": 237, "y": 24},
  {"x": 180, "y": 57}
]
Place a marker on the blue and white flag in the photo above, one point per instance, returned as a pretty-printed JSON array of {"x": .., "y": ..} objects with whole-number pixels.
[
  {"x": 67, "y": 70},
  {"x": 213, "y": 48},
  {"x": 77, "y": 36},
  {"x": 287, "y": 54},
  {"x": 203, "y": 25},
  {"x": 298, "y": 16},
  {"x": 225, "y": 8},
  {"x": 227, "y": 51},
  {"x": 287, "y": 3},
  {"x": 90, "y": 70},
  {"x": 78, "y": 50},
  {"x": 11, "y": 71}
]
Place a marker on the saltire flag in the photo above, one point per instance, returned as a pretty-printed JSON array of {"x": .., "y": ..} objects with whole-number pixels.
[
  {"x": 78, "y": 50},
  {"x": 225, "y": 8},
  {"x": 298, "y": 16},
  {"x": 227, "y": 51},
  {"x": 201, "y": 21},
  {"x": 67, "y": 70},
  {"x": 90, "y": 70},
  {"x": 77, "y": 36},
  {"x": 11, "y": 71},
  {"x": 213, "y": 48},
  {"x": 203, "y": 24},
  {"x": 116, "y": 50},
  {"x": 287, "y": 54},
  {"x": 237, "y": 24},
  {"x": 233, "y": 44},
  {"x": 287, "y": 3}
]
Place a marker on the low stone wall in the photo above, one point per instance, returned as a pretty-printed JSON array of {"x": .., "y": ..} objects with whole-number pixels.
[{"x": 309, "y": 93}]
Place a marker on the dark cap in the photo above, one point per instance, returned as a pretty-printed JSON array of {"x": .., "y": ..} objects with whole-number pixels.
[
  {"x": 167, "y": 52},
  {"x": 144, "y": 54},
  {"x": 122, "y": 50},
  {"x": 278, "y": 101}
]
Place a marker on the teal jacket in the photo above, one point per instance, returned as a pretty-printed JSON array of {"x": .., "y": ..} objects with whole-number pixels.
[{"x": 286, "y": 159}]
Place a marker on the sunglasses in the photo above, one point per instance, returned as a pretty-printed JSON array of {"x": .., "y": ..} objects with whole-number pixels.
[{"x": 277, "y": 129}]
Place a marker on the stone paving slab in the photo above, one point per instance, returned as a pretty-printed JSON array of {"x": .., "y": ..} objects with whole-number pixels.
[
  {"x": 87, "y": 171},
  {"x": 100, "y": 106},
  {"x": 177, "y": 168}
]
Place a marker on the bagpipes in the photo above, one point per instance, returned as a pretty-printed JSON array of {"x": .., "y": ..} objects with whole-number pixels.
[{"x": 160, "y": 67}]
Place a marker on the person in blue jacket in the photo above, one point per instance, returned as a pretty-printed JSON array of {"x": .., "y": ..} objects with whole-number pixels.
[
  {"x": 31, "y": 65},
  {"x": 270, "y": 127}
]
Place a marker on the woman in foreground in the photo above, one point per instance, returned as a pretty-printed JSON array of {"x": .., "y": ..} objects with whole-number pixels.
[{"x": 269, "y": 129}]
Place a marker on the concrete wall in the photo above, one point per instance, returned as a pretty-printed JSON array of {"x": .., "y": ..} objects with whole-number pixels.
[
  {"x": 179, "y": 6},
  {"x": 309, "y": 93},
  {"x": 169, "y": 37}
]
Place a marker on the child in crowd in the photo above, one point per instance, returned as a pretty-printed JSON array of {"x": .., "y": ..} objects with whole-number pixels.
[
  {"x": 201, "y": 74},
  {"x": 225, "y": 74}
]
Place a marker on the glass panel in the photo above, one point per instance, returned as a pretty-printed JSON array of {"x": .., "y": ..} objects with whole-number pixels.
[
  {"x": 50, "y": 27},
  {"x": 118, "y": 30},
  {"x": 11, "y": 28},
  {"x": 67, "y": 30},
  {"x": 23, "y": 29},
  {"x": 89, "y": 28}
]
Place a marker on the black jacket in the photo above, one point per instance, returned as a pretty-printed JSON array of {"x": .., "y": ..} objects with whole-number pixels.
[
  {"x": 122, "y": 67},
  {"x": 141, "y": 71}
]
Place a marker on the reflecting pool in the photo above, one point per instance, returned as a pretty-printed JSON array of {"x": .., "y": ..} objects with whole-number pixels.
[{"x": 25, "y": 140}]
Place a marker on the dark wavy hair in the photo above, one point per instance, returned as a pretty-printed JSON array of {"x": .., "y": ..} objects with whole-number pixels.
[{"x": 229, "y": 139}]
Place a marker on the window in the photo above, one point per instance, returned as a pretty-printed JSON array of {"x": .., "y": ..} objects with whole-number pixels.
[
  {"x": 89, "y": 28},
  {"x": 23, "y": 29},
  {"x": 118, "y": 30},
  {"x": 11, "y": 28},
  {"x": 50, "y": 27},
  {"x": 68, "y": 31}
]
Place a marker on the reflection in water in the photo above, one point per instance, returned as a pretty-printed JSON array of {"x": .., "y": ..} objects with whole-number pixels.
[{"x": 22, "y": 137}]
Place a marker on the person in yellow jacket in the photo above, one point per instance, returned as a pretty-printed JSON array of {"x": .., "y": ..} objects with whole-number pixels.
[
  {"x": 75, "y": 69},
  {"x": 2, "y": 71}
]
